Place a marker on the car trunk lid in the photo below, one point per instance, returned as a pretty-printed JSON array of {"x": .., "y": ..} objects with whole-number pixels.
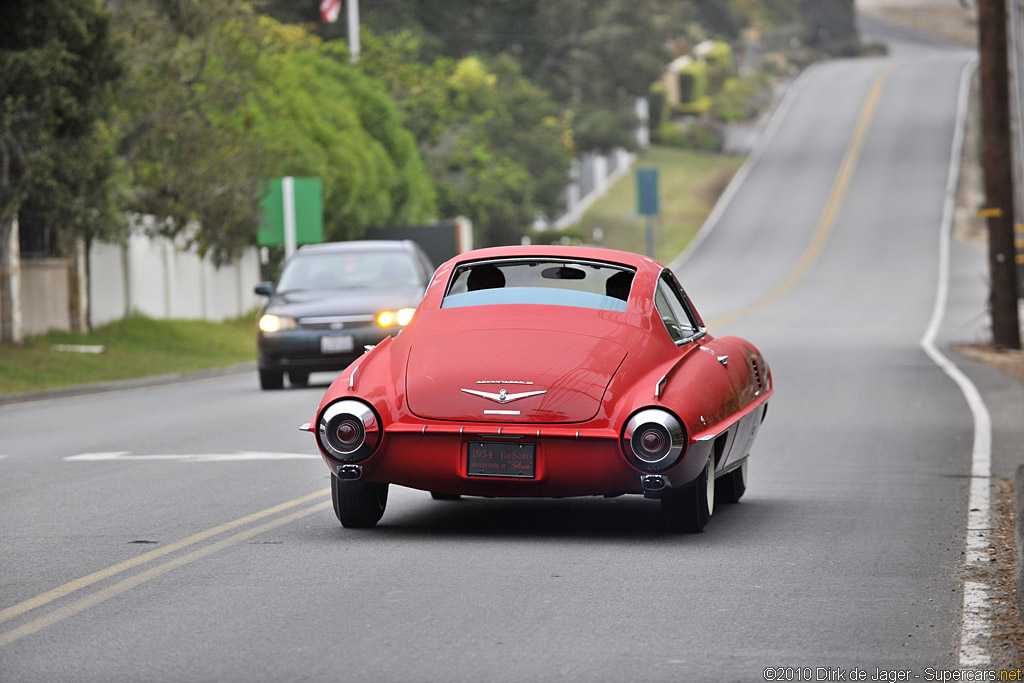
[{"x": 512, "y": 375}]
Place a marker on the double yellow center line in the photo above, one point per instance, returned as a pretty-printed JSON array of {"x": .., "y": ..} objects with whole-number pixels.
[
  {"x": 834, "y": 202},
  {"x": 39, "y": 623}
]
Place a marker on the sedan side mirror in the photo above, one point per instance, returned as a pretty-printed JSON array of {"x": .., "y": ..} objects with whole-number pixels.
[{"x": 264, "y": 288}]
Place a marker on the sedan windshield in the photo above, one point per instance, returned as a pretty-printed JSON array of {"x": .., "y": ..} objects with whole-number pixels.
[
  {"x": 583, "y": 284},
  {"x": 343, "y": 270}
]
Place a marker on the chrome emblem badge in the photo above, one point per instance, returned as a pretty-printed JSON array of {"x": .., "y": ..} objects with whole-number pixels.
[{"x": 503, "y": 396}]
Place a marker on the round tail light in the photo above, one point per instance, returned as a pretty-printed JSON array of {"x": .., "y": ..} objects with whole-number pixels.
[
  {"x": 653, "y": 439},
  {"x": 348, "y": 431}
]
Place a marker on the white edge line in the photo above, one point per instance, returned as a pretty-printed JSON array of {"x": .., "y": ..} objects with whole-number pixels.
[
  {"x": 711, "y": 222},
  {"x": 973, "y": 629}
]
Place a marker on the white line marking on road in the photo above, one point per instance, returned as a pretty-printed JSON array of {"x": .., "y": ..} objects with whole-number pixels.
[
  {"x": 189, "y": 457},
  {"x": 975, "y": 609}
]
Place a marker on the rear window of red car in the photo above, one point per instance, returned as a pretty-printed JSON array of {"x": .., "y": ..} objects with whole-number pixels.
[{"x": 551, "y": 282}]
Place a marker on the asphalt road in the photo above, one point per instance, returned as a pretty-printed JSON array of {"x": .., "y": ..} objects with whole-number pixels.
[{"x": 183, "y": 532}]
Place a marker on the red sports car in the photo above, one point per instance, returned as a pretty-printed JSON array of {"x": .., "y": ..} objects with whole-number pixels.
[{"x": 547, "y": 371}]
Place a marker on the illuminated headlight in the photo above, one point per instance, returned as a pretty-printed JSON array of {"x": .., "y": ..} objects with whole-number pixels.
[
  {"x": 653, "y": 439},
  {"x": 276, "y": 323},
  {"x": 401, "y": 317},
  {"x": 348, "y": 430}
]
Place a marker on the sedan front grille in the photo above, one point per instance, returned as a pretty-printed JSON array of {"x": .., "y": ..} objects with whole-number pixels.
[{"x": 334, "y": 322}]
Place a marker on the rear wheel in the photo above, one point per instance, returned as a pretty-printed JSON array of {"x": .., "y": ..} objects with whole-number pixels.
[
  {"x": 271, "y": 379},
  {"x": 689, "y": 508},
  {"x": 358, "y": 504},
  {"x": 729, "y": 488},
  {"x": 298, "y": 379}
]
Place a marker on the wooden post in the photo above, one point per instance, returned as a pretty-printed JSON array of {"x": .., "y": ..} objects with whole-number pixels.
[{"x": 998, "y": 170}]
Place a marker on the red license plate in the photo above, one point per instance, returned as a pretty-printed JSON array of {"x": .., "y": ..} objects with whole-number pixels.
[{"x": 493, "y": 459}]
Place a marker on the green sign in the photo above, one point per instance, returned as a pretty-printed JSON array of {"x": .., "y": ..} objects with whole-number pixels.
[{"x": 305, "y": 198}]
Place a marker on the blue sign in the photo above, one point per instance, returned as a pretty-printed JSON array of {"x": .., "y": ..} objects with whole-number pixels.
[{"x": 647, "y": 191}]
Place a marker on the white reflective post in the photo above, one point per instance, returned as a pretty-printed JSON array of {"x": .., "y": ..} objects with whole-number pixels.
[{"x": 288, "y": 200}]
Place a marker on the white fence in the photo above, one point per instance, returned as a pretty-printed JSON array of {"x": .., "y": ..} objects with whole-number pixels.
[{"x": 151, "y": 276}]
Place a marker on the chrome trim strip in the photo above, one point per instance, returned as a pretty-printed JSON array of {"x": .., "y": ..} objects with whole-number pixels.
[
  {"x": 702, "y": 332},
  {"x": 352, "y": 377},
  {"x": 328, "y": 319},
  {"x": 659, "y": 385},
  {"x": 501, "y": 412}
]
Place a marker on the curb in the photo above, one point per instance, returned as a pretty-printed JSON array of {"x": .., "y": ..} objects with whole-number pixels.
[{"x": 102, "y": 387}]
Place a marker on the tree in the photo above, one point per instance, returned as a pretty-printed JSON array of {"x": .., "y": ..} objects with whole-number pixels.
[
  {"x": 58, "y": 66},
  {"x": 219, "y": 98},
  {"x": 592, "y": 56},
  {"x": 191, "y": 66},
  {"x": 317, "y": 115},
  {"x": 496, "y": 145}
]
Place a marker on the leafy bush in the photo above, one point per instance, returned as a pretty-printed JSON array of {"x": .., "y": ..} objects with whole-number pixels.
[
  {"x": 703, "y": 134},
  {"x": 741, "y": 99}
]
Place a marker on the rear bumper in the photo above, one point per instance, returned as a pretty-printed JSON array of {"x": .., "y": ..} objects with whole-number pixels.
[{"x": 566, "y": 465}]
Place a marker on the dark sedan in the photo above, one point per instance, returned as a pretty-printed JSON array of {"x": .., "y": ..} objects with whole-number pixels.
[{"x": 333, "y": 299}]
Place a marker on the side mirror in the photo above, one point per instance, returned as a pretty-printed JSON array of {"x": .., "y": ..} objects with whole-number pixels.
[{"x": 264, "y": 288}]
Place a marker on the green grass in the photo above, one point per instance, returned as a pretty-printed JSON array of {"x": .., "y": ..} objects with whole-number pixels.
[
  {"x": 689, "y": 183},
  {"x": 133, "y": 347}
]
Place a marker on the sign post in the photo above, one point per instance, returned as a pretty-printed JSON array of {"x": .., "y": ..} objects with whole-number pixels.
[{"x": 647, "y": 202}]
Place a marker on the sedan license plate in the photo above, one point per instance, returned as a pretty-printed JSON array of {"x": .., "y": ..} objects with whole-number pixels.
[
  {"x": 337, "y": 344},
  {"x": 492, "y": 459}
]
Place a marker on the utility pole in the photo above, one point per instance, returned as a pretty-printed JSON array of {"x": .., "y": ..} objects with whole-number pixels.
[{"x": 998, "y": 170}]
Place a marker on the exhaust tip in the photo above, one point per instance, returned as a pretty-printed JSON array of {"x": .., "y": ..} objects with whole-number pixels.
[
  {"x": 652, "y": 482},
  {"x": 350, "y": 472}
]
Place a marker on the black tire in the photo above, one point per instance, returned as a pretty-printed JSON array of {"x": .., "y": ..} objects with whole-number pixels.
[
  {"x": 270, "y": 379},
  {"x": 730, "y": 488},
  {"x": 444, "y": 496},
  {"x": 298, "y": 379},
  {"x": 689, "y": 509},
  {"x": 358, "y": 504}
]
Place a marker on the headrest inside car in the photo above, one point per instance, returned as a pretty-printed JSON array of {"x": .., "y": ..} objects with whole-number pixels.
[{"x": 563, "y": 273}]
